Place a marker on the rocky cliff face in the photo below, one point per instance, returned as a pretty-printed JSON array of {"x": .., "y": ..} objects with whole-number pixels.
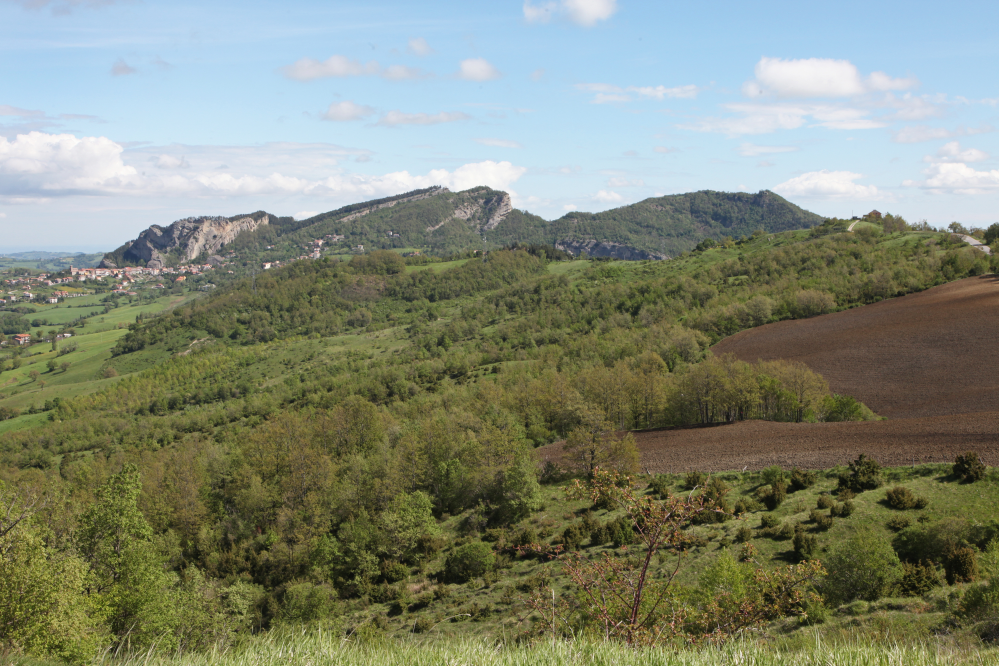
[
  {"x": 186, "y": 239},
  {"x": 481, "y": 213},
  {"x": 614, "y": 250}
]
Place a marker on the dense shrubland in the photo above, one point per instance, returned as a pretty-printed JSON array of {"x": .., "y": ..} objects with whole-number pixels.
[{"x": 275, "y": 471}]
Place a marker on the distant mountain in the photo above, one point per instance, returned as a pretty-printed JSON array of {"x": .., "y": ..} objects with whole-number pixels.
[
  {"x": 438, "y": 221},
  {"x": 49, "y": 261}
]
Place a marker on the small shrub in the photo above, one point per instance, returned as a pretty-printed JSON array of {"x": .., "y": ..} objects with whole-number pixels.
[
  {"x": 825, "y": 502},
  {"x": 864, "y": 474},
  {"x": 393, "y": 572},
  {"x": 769, "y": 521},
  {"x": 773, "y": 475},
  {"x": 423, "y": 624},
  {"x": 599, "y": 536},
  {"x": 846, "y": 509},
  {"x": 805, "y": 545},
  {"x": 968, "y": 467},
  {"x": 572, "y": 537},
  {"x": 961, "y": 565},
  {"x": 659, "y": 486},
  {"x": 524, "y": 537},
  {"x": 743, "y": 534},
  {"x": 918, "y": 579},
  {"x": 621, "y": 532},
  {"x": 845, "y": 494},
  {"x": 822, "y": 521},
  {"x": 901, "y": 498},
  {"x": 694, "y": 479},
  {"x": 774, "y": 496},
  {"x": 468, "y": 562},
  {"x": 898, "y": 523},
  {"x": 863, "y": 567},
  {"x": 800, "y": 480},
  {"x": 785, "y": 532}
]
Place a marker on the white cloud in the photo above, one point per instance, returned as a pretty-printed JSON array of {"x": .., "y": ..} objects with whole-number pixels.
[
  {"x": 538, "y": 74},
  {"x": 38, "y": 163},
  {"x": 608, "y": 196},
  {"x": 605, "y": 92},
  {"x": 170, "y": 162},
  {"x": 3, "y": 215},
  {"x": 38, "y": 166},
  {"x": 305, "y": 214},
  {"x": 624, "y": 182},
  {"x": 919, "y": 133},
  {"x": 346, "y": 111},
  {"x": 477, "y": 69},
  {"x": 818, "y": 77},
  {"x": 755, "y": 118},
  {"x": 589, "y": 12},
  {"x": 308, "y": 69},
  {"x": 570, "y": 207},
  {"x": 122, "y": 68},
  {"x": 581, "y": 12},
  {"x": 827, "y": 185},
  {"x": 949, "y": 172},
  {"x": 7, "y": 110},
  {"x": 499, "y": 143},
  {"x": 951, "y": 152},
  {"x": 665, "y": 150},
  {"x": 957, "y": 178},
  {"x": 419, "y": 46},
  {"x": 402, "y": 73},
  {"x": 393, "y": 118},
  {"x": 338, "y": 66},
  {"x": 752, "y": 150}
]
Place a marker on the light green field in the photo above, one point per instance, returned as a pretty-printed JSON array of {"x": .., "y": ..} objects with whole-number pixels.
[
  {"x": 438, "y": 267},
  {"x": 315, "y": 648}
]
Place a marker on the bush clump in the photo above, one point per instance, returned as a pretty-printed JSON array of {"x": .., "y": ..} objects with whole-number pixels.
[
  {"x": 864, "y": 474},
  {"x": 918, "y": 579},
  {"x": 961, "y": 565},
  {"x": 743, "y": 534},
  {"x": 800, "y": 480},
  {"x": 843, "y": 510},
  {"x": 825, "y": 502},
  {"x": 469, "y": 561},
  {"x": 805, "y": 545},
  {"x": 659, "y": 486},
  {"x": 769, "y": 521},
  {"x": 865, "y": 567},
  {"x": 694, "y": 479},
  {"x": 902, "y": 498},
  {"x": 898, "y": 523},
  {"x": 773, "y": 496},
  {"x": 968, "y": 467}
]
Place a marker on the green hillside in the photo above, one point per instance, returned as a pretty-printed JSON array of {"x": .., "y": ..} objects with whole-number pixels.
[{"x": 352, "y": 447}]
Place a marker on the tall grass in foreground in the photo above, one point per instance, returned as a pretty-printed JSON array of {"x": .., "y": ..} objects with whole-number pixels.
[{"x": 317, "y": 649}]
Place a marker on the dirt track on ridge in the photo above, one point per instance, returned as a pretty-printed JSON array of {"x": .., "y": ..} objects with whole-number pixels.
[{"x": 929, "y": 362}]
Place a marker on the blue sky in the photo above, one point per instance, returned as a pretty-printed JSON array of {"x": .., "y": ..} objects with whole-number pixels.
[{"x": 117, "y": 115}]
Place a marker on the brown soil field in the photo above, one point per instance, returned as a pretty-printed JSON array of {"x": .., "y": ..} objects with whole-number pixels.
[{"x": 929, "y": 362}]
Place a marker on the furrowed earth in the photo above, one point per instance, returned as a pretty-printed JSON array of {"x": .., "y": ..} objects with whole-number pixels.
[{"x": 926, "y": 362}]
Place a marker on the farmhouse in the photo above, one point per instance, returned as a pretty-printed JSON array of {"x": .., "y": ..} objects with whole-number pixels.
[{"x": 22, "y": 338}]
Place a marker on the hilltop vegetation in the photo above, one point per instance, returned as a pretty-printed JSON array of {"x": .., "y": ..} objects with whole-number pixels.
[
  {"x": 438, "y": 222},
  {"x": 351, "y": 445}
]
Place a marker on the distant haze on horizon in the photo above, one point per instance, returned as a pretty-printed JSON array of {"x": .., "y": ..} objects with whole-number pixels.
[{"x": 117, "y": 115}]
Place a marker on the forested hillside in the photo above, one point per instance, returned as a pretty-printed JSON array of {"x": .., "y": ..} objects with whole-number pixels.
[
  {"x": 352, "y": 444},
  {"x": 438, "y": 222}
]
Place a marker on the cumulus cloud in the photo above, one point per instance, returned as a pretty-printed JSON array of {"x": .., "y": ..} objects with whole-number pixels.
[
  {"x": 586, "y": 13},
  {"x": 122, "y": 68},
  {"x": 752, "y": 150},
  {"x": 957, "y": 178},
  {"x": 346, "y": 111},
  {"x": 624, "y": 182},
  {"x": 827, "y": 185},
  {"x": 338, "y": 66},
  {"x": 394, "y": 118},
  {"x": 499, "y": 143},
  {"x": 818, "y": 77},
  {"x": 39, "y": 165},
  {"x": 604, "y": 92},
  {"x": 952, "y": 152},
  {"x": 170, "y": 162},
  {"x": 949, "y": 172},
  {"x": 477, "y": 69},
  {"x": 418, "y": 46},
  {"x": 755, "y": 118},
  {"x": 608, "y": 196}
]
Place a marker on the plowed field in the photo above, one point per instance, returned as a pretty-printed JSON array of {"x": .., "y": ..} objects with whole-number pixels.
[{"x": 929, "y": 362}]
